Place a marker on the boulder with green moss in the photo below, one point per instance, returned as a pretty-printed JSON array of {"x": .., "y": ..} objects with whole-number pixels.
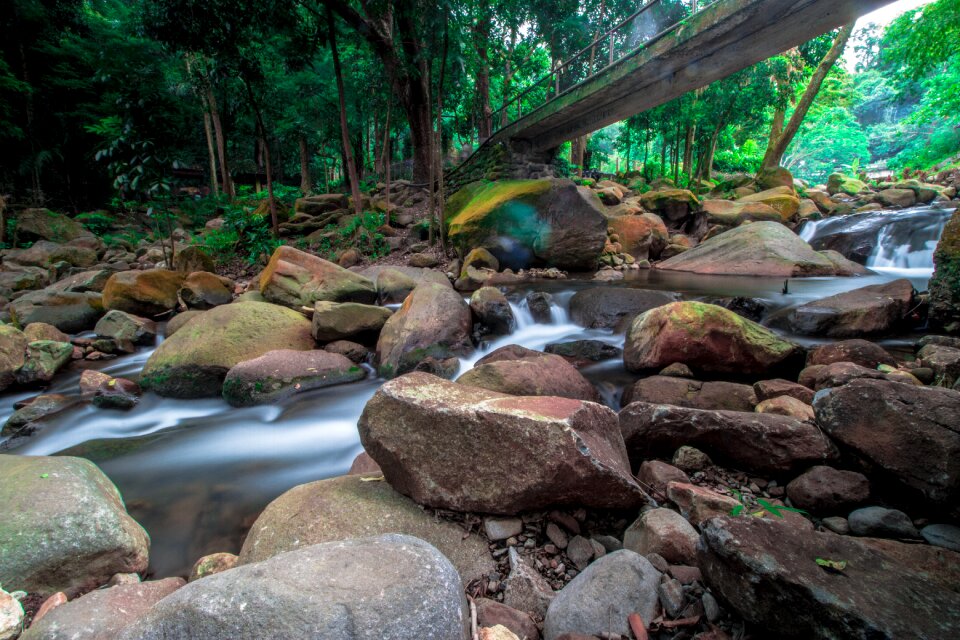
[
  {"x": 280, "y": 374},
  {"x": 706, "y": 338},
  {"x": 348, "y": 320},
  {"x": 13, "y": 349},
  {"x": 297, "y": 279},
  {"x": 43, "y": 224},
  {"x": 194, "y": 361},
  {"x": 526, "y": 223},
  {"x": 68, "y": 312},
  {"x": 143, "y": 293},
  {"x": 783, "y": 199},
  {"x": 839, "y": 183},
  {"x": 45, "y": 254},
  {"x": 43, "y": 359},
  {"x": 945, "y": 284}
]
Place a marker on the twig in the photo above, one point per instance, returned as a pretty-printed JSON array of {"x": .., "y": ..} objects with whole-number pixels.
[
  {"x": 473, "y": 619},
  {"x": 637, "y": 626}
]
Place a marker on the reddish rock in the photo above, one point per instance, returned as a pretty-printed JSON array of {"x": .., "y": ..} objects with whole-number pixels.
[
  {"x": 143, "y": 293},
  {"x": 205, "y": 290},
  {"x": 786, "y": 406},
  {"x": 543, "y": 375},
  {"x": 699, "y": 504},
  {"x": 875, "y": 309},
  {"x": 837, "y": 374},
  {"x": 211, "y": 564},
  {"x": 294, "y": 279},
  {"x": 364, "y": 465},
  {"x": 862, "y": 352},
  {"x": 754, "y": 442},
  {"x": 908, "y": 435},
  {"x": 613, "y": 307},
  {"x": 767, "y": 389},
  {"x": 491, "y": 613},
  {"x": 664, "y": 532},
  {"x": 508, "y": 352},
  {"x": 451, "y": 446},
  {"x": 825, "y": 490},
  {"x": 49, "y": 605},
  {"x": 692, "y": 393},
  {"x": 642, "y": 236},
  {"x": 657, "y": 475}
]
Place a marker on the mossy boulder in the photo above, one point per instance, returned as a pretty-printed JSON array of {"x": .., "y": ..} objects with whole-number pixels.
[
  {"x": 433, "y": 323},
  {"x": 775, "y": 177},
  {"x": 43, "y": 359},
  {"x": 64, "y": 526},
  {"x": 733, "y": 213},
  {"x": 13, "y": 349},
  {"x": 193, "y": 258},
  {"x": 783, "y": 199},
  {"x": 123, "y": 326},
  {"x": 279, "y": 374},
  {"x": 296, "y": 279},
  {"x": 839, "y": 183},
  {"x": 673, "y": 205},
  {"x": 643, "y": 235},
  {"x": 45, "y": 254},
  {"x": 43, "y": 224},
  {"x": 706, "y": 338},
  {"x": 341, "y": 320},
  {"x": 68, "y": 312},
  {"x": 756, "y": 249},
  {"x": 143, "y": 293},
  {"x": 526, "y": 223},
  {"x": 897, "y": 197},
  {"x": 195, "y": 360},
  {"x": 43, "y": 331},
  {"x": 945, "y": 284}
]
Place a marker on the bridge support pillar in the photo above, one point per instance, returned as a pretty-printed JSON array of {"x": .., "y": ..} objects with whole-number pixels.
[{"x": 510, "y": 160}]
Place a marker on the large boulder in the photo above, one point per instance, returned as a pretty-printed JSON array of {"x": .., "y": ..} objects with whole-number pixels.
[
  {"x": 101, "y": 614},
  {"x": 944, "y": 361},
  {"x": 13, "y": 350},
  {"x": 734, "y": 213},
  {"x": 46, "y": 254},
  {"x": 64, "y": 526},
  {"x": 395, "y": 282},
  {"x": 541, "y": 375},
  {"x": 123, "y": 326},
  {"x": 296, "y": 279},
  {"x": 433, "y": 322},
  {"x": 857, "y": 351},
  {"x": 43, "y": 359},
  {"x": 94, "y": 280},
  {"x": 673, "y": 205},
  {"x": 393, "y": 587},
  {"x": 347, "y": 320},
  {"x": 945, "y": 283},
  {"x": 143, "y": 293},
  {"x": 643, "y": 235},
  {"x": 908, "y": 435},
  {"x": 755, "y": 442},
  {"x": 839, "y": 183},
  {"x": 204, "y": 290},
  {"x": 613, "y": 307},
  {"x": 704, "y": 337},
  {"x": 452, "y": 446},
  {"x": 783, "y": 199},
  {"x": 874, "y": 309},
  {"x": 43, "y": 224},
  {"x": 194, "y": 361},
  {"x": 756, "y": 249},
  {"x": 526, "y": 223},
  {"x": 351, "y": 507},
  {"x": 885, "y": 590},
  {"x": 68, "y": 312},
  {"x": 280, "y": 374},
  {"x": 684, "y": 392}
]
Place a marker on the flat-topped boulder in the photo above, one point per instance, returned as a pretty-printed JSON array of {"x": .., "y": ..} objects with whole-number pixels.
[
  {"x": 295, "y": 279},
  {"x": 280, "y": 374},
  {"x": 143, "y": 293},
  {"x": 733, "y": 213},
  {"x": 613, "y": 307},
  {"x": 684, "y": 392},
  {"x": 194, "y": 361},
  {"x": 452, "y": 446},
  {"x": 783, "y": 199},
  {"x": 870, "y": 310},
  {"x": 755, "y": 249},
  {"x": 541, "y": 375},
  {"x": 68, "y": 312},
  {"x": 43, "y": 224},
  {"x": 347, "y": 320}
]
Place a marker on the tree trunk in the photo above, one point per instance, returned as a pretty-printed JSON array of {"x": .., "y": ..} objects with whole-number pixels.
[
  {"x": 225, "y": 178},
  {"x": 481, "y": 42},
  {"x": 211, "y": 155},
  {"x": 688, "y": 150},
  {"x": 344, "y": 126},
  {"x": 778, "y": 144},
  {"x": 265, "y": 148},
  {"x": 306, "y": 181}
]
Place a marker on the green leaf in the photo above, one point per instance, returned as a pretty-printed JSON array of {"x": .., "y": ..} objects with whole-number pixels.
[
  {"x": 737, "y": 510},
  {"x": 832, "y": 565},
  {"x": 44, "y": 475}
]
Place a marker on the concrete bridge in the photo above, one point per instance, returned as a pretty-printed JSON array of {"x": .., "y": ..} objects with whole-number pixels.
[{"x": 662, "y": 51}]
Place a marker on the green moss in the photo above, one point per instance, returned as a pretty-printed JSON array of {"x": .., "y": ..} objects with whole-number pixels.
[{"x": 477, "y": 199}]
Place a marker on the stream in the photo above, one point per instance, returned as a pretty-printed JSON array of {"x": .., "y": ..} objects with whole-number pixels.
[{"x": 196, "y": 473}]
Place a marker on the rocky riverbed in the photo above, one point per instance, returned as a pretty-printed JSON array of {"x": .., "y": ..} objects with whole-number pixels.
[{"x": 500, "y": 447}]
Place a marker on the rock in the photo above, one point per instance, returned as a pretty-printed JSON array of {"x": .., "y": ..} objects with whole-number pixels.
[
  {"x": 580, "y": 552},
  {"x": 117, "y": 393},
  {"x": 193, "y": 258},
  {"x": 491, "y": 613},
  {"x": 944, "y": 286},
  {"x": 897, "y": 198},
  {"x": 942, "y": 535},
  {"x": 492, "y": 311},
  {"x": 733, "y": 213},
  {"x": 65, "y": 527},
  {"x": 557, "y": 535},
  {"x": 786, "y": 406},
  {"x": 502, "y": 528},
  {"x": 609, "y": 307},
  {"x": 485, "y": 440},
  {"x": 13, "y": 351},
  {"x": 508, "y": 352},
  {"x": 395, "y": 283},
  {"x": 756, "y": 565},
  {"x": 43, "y": 224},
  {"x": 600, "y": 598},
  {"x": 767, "y": 389},
  {"x": 643, "y": 235},
  {"x": 211, "y": 564},
  {"x": 756, "y": 249},
  {"x": 692, "y": 393},
  {"x": 356, "y": 352},
  {"x": 280, "y": 374},
  {"x": 39, "y": 408},
  {"x": 657, "y": 475},
  {"x": 879, "y": 522},
  {"x": 705, "y": 337},
  {"x": 909, "y": 435},
  {"x": 943, "y": 361},
  {"x": 43, "y": 359},
  {"x": 677, "y": 370},
  {"x": 673, "y": 205},
  {"x": 699, "y": 504},
  {"x": 526, "y": 223},
  {"x": 11, "y": 616},
  {"x": 347, "y": 507},
  {"x": 753, "y": 442},
  {"x": 423, "y": 260},
  {"x": 143, "y": 293},
  {"x": 583, "y": 352},
  {"x": 50, "y": 255},
  {"x": 866, "y": 354},
  {"x": 393, "y": 587},
  {"x": 525, "y": 589},
  {"x": 539, "y": 304},
  {"x": 691, "y": 459},
  {"x": 433, "y": 322},
  {"x": 541, "y": 375},
  {"x": 204, "y": 290},
  {"x": 843, "y": 266},
  {"x": 102, "y": 614},
  {"x": 339, "y": 320},
  {"x": 321, "y": 203},
  {"x": 825, "y": 490},
  {"x": 498, "y": 632},
  {"x": 783, "y": 199},
  {"x": 672, "y": 597},
  {"x": 41, "y": 331},
  {"x": 770, "y": 178},
  {"x": 363, "y": 464},
  {"x": 68, "y": 312},
  {"x": 120, "y": 325},
  {"x": 295, "y": 279},
  {"x": 839, "y": 183},
  {"x": 874, "y": 309},
  {"x": 664, "y": 532},
  {"x": 836, "y": 524},
  {"x": 820, "y": 376},
  {"x": 194, "y": 362},
  {"x": 179, "y": 320},
  {"x": 94, "y": 280}
]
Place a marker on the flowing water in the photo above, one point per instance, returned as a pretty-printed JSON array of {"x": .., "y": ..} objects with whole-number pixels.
[{"x": 196, "y": 473}]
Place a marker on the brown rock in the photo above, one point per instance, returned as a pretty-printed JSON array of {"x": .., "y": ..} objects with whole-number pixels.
[
  {"x": 837, "y": 374},
  {"x": 543, "y": 375},
  {"x": 491, "y": 613},
  {"x": 643, "y": 235},
  {"x": 664, "y": 532},
  {"x": 508, "y": 352},
  {"x": 692, "y": 393},
  {"x": 875, "y": 309},
  {"x": 205, "y": 290},
  {"x": 211, "y": 564},
  {"x": 657, "y": 475},
  {"x": 866, "y": 354},
  {"x": 699, "y": 504},
  {"x": 364, "y": 465},
  {"x": 143, "y": 293},
  {"x": 767, "y": 389},
  {"x": 825, "y": 490},
  {"x": 611, "y": 308},
  {"x": 295, "y": 279},
  {"x": 786, "y": 406}
]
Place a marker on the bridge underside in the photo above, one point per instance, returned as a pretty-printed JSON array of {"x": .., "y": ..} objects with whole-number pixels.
[{"x": 724, "y": 38}]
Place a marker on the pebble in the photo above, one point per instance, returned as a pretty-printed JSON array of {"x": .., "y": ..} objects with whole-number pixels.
[
  {"x": 580, "y": 552},
  {"x": 942, "y": 535},
  {"x": 658, "y": 562},
  {"x": 557, "y": 536},
  {"x": 502, "y": 528},
  {"x": 566, "y": 521},
  {"x": 691, "y": 459},
  {"x": 672, "y": 598},
  {"x": 836, "y": 524},
  {"x": 609, "y": 543},
  {"x": 11, "y": 616},
  {"x": 710, "y": 607},
  {"x": 881, "y": 522}
]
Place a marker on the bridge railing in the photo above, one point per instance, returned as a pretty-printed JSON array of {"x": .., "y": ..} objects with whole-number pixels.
[{"x": 651, "y": 21}]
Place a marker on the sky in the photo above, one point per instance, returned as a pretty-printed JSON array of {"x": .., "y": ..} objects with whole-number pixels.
[{"x": 882, "y": 16}]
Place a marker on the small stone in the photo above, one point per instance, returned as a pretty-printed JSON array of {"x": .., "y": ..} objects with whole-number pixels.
[
  {"x": 658, "y": 562},
  {"x": 491, "y": 613},
  {"x": 557, "y": 536},
  {"x": 502, "y": 528},
  {"x": 499, "y": 632},
  {"x": 665, "y": 532},
  {"x": 117, "y": 393},
  {"x": 11, "y": 616},
  {"x": 565, "y": 520},
  {"x": 942, "y": 535},
  {"x": 211, "y": 564},
  {"x": 836, "y": 524},
  {"x": 677, "y": 370},
  {"x": 672, "y": 598},
  {"x": 656, "y": 475},
  {"x": 685, "y": 573},
  {"x": 880, "y": 522},
  {"x": 609, "y": 543},
  {"x": 580, "y": 552},
  {"x": 525, "y": 589},
  {"x": 690, "y": 459},
  {"x": 90, "y": 381},
  {"x": 699, "y": 504},
  {"x": 711, "y": 608},
  {"x": 123, "y": 578},
  {"x": 823, "y": 489},
  {"x": 49, "y": 605}
]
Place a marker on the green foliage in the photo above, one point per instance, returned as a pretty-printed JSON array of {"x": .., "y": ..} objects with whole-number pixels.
[
  {"x": 359, "y": 232},
  {"x": 242, "y": 235},
  {"x": 98, "y": 222},
  {"x": 765, "y": 507}
]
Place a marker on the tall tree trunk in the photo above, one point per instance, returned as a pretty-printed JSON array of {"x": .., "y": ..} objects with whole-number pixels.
[
  {"x": 344, "y": 126},
  {"x": 481, "y": 42},
  {"x": 688, "y": 150},
  {"x": 306, "y": 181},
  {"x": 778, "y": 144},
  {"x": 265, "y": 148},
  {"x": 225, "y": 180},
  {"x": 211, "y": 155}
]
